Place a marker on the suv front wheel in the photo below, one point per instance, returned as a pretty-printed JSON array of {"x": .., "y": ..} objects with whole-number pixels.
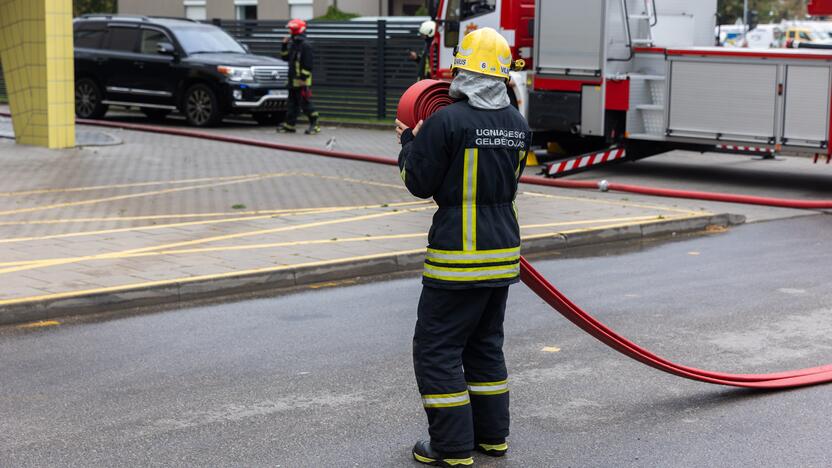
[
  {"x": 88, "y": 99},
  {"x": 201, "y": 106}
]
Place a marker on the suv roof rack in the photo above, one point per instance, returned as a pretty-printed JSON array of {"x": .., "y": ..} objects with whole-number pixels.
[
  {"x": 111, "y": 16},
  {"x": 178, "y": 18},
  {"x": 114, "y": 16}
]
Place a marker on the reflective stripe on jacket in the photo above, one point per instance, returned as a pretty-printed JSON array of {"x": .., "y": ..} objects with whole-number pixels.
[{"x": 469, "y": 160}]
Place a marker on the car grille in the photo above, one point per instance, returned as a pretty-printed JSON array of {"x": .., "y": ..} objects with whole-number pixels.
[{"x": 278, "y": 76}]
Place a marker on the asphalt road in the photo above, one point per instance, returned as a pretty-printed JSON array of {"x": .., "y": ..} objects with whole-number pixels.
[{"x": 323, "y": 378}]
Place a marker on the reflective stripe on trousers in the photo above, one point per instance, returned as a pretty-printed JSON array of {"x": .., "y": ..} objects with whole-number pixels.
[
  {"x": 488, "y": 388},
  {"x": 446, "y": 400}
]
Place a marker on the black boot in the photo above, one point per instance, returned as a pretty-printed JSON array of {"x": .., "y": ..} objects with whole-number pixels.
[
  {"x": 492, "y": 448},
  {"x": 286, "y": 128},
  {"x": 314, "y": 128},
  {"x": 424, "y": 453}
]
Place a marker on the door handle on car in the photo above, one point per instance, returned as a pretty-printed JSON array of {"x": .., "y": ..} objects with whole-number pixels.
[{"x": 139, "y": 64}]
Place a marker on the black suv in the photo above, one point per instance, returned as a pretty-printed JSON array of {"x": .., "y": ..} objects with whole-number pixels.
[{"x": 163, "y": 64}]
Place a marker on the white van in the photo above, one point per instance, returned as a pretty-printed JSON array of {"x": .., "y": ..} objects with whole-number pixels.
[{"x": 765, "y": 36}]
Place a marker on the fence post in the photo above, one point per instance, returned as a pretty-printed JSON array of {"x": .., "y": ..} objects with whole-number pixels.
[{"x": 381, "y": 92}]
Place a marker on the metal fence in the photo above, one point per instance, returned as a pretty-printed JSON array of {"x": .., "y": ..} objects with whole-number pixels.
[{"x": 361, "y": 68}]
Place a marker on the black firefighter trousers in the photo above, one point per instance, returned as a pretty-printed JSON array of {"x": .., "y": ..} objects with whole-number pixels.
[
  {"x": 300, "y": 100},
  {"x": 460, "y": 368}
]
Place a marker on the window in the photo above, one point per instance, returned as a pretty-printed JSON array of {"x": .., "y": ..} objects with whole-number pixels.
[
  {"x": 471, "y": 8},
  {"x": 123, "y": 39},
  {"x": 89, "y": 38},
  {"x": 301, "y": 9},
  {"x": 246, "y": 9},
  {"x": 805, "y": 36},
  {"x": 205, "y": 39},
  {"x": 151, "y": 40},
  {"x": 452, "y": 24},
  {"x": 195, "y": 10}
]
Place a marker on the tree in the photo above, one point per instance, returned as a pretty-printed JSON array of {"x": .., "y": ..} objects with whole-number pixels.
[
  {"x": 770, "y": 11},
  {"x": 81, "y": 7}
]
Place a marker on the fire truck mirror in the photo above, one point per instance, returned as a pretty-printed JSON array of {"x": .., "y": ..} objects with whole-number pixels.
[{"x": 451, "y": 33}]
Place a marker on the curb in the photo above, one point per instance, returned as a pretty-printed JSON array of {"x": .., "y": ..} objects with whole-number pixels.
[{"x": 181, "y": 292}]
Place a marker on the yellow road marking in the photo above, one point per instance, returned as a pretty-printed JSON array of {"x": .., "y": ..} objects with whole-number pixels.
[
  {"x": 44, "y": 264},
  {"x": 116, "y": 219},
  {"x": 550, "y": 349},
  {"x": 116, "y": 186},
  {"x": 308, "y": 242},
  {"x": 608, "y": 220},
  {"x": 119, "y": 219},
  {"x": 126, "y": 287},
  {"x": 179, "y": 181},
  {"x": 615, "y": 203},
  {"x": 331, "y": 284},
  {"x": 39, "y": 324},
  {"x": 607, "y": 226},
  {"x": 140, "y": 195},
  {"x": 233, "y": 248},
  {"x": 198, "y": 223},
  {"x": 357, "y": 181},
  {"x": 192, "y": 279}
]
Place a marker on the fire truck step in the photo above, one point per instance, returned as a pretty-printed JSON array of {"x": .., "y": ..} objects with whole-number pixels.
[{"x": 584, "y": 162}]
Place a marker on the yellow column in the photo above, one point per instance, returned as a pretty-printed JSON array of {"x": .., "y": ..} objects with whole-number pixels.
[{"x": 37, "y": 58}]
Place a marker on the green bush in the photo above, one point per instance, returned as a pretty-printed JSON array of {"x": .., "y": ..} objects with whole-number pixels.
[{"x": 334, "y": 14}]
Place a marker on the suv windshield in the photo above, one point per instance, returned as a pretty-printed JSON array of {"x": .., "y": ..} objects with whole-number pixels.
[{"x": 206, "y": 39}]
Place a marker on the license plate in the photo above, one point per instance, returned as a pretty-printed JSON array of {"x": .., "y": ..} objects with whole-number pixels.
[{"x": 279, "y": 93}]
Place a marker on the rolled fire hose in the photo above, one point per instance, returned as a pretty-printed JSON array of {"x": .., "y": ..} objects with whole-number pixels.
[{"x": 428, "y": 96}]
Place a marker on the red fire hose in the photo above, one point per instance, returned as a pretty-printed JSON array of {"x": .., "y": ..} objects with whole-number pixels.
[
  {"x": 423, "y": 99},
  {"x": 670, "y": 193},
  {"x": 427, "y": 97}
]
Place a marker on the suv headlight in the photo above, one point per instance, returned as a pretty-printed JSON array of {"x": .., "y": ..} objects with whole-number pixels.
[{"x": 236, "y": 74}]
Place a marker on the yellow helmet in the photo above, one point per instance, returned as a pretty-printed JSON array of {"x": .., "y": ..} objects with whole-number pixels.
[{"x": 484, "y": 51}]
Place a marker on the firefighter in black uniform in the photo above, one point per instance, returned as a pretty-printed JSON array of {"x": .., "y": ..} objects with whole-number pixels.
[
  {"x": 469, "y": 157},
  {"x": 427, "y": 31},
  {"x": 298, "y": 54}
]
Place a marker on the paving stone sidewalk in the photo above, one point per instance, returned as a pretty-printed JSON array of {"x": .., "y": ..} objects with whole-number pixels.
[{"x": 165, "y": 219}]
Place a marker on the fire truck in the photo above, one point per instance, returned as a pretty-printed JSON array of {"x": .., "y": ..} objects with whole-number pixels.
[{"x": 616, "y": 80}]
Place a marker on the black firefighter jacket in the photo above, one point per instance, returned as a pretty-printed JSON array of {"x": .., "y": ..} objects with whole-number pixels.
[
  {"x": 469, "y": 160},
  {"x": 298, "y": 54}
]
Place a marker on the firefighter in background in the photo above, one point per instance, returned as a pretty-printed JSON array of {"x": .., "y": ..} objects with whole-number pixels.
[
  {"x": 426, "y": 31},
  {"x": 469, "y": 157},
  {"x": 298, "y": 54}
]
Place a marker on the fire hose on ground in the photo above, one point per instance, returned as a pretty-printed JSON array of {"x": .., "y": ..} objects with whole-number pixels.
[{"x": 427, "y": 97}]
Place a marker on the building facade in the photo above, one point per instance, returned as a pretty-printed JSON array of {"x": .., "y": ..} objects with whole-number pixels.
[{"x": 264, "y": 9}]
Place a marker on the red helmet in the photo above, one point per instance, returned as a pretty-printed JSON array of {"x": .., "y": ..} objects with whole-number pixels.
[{"x": 297, "y": 26}]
